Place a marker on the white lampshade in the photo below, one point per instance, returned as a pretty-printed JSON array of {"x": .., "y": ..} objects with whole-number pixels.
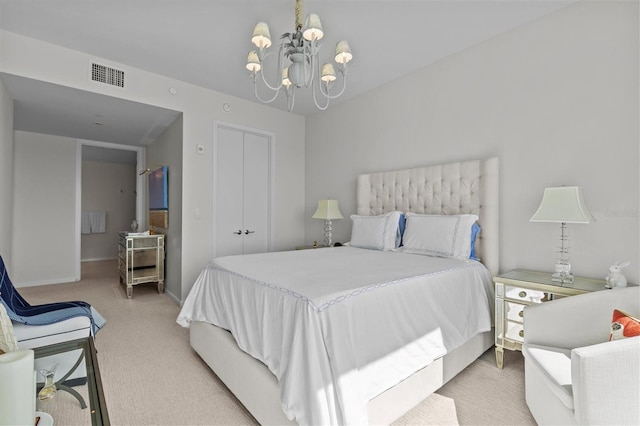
[
  {"x": 328, "y": 210},
  {"x": 328, "y": 73},
  {"x": 343, "y": 52},
  {"x": 312, "y": 28},
  {"x": 261, "y": 36},
  {"x": 253, "y": 62},
  {"x": 563, "y": 204}
]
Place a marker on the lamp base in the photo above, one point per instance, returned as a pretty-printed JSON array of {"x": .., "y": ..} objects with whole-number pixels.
[
  {"x": 562, "y": 277},
  {"x": 563, "y": 273},
  {"x": 327, "y": 233}
]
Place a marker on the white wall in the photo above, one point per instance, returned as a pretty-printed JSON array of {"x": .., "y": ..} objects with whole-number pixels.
[
  {"x": 166, "y": 150},
  {"x": 6, "y": 175},
  {"x": 44, "y": 217},
  {"x": 38, "y": 60},
  {"x": 111, "y": 188},
  {"x": 556, "y": 100}
]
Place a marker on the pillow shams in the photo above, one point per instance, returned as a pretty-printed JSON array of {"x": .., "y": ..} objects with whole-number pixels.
[
  {"x": 439, "y": 235},
  {"x": 375, "y": 232}
]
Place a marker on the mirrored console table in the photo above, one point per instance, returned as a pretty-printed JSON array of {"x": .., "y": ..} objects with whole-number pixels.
[{"x": 141, "y": 260}]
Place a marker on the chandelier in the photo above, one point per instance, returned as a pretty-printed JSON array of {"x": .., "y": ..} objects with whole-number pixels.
[{"x": 298, "y": 64}]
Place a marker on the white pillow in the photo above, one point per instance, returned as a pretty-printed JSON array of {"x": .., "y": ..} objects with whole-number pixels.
[
  {"x": 439, "y": 235},
  {"x": 375, "y": 232}
]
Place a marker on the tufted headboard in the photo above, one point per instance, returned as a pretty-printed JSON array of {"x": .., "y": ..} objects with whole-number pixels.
[{"x": 453, "y": 188}]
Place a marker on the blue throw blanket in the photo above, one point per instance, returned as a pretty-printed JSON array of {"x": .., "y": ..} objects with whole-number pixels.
[{"x": 19, "y": 310}]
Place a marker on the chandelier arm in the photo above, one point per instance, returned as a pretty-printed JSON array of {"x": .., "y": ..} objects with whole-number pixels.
[
  {"x": 344, "y": 86},
  {"x": 315, "y": 100},
  {"x": 314, "y": 59},
  {"x": 280, "y": 57},
  {"x": 291, "y": 99},
  {"x": 308, "y": 71},
  {"x": 266, "y": 101}
]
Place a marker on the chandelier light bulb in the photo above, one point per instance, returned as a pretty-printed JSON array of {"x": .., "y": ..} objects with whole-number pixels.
[
  {"x": 328, "y": 73},
  {"x": 343, "y": 52},
  {"x": 261, "y": 36},
  {"x": 312, "y": 28},
  {"x": 253, "y": 62}
]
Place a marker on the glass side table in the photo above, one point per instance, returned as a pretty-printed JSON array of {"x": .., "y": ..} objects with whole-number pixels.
[{"x": 69, "y": 404}]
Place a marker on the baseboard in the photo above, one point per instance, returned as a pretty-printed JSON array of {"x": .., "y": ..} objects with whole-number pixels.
[
  {"x": 172, "y": 296},
  {"x": 47, "y": 282},
  {"x": 98, "y": 258}
]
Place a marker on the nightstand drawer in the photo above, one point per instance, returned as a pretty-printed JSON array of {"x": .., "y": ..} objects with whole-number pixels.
[
  {"x": 524, "y": 294},
  {"x": 515, "y": 311},
  {"x": 515, "y": 332}
]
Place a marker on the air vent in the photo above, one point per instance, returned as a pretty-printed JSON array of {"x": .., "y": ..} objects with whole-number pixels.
[{"x": 107, "y": 75}]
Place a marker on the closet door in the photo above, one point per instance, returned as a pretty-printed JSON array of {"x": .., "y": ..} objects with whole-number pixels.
[
  {"x": 256, "y": 193},
  {"x": 229, "y": 192},
  {"x": 242, "y": 193}
]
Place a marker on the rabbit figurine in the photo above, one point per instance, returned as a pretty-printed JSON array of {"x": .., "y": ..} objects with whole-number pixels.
[{"x": 615, "y": 277}]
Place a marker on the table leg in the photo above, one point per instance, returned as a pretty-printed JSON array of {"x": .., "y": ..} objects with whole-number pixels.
[
  {"x": 61, "y": 386},
  {"x": 499, "y": 356}
]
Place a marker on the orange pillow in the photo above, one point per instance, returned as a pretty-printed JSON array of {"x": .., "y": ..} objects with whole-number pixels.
[{"x": 623, "y": 325}]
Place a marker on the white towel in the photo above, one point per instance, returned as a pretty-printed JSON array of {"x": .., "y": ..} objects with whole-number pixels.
[
  {"x": 85, "y": 224},
  {"x": 98, "y": 221}
]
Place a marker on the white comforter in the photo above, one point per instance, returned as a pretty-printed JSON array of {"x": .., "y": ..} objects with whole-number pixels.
[{"x": 338, "y": 326}]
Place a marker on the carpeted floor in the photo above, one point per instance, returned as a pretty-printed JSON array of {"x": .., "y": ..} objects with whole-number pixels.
[{"x": 151, "y": 376}]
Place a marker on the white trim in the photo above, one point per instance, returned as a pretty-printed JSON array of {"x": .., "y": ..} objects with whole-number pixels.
[
  {"x": 173, "y": 297},
  {"x": 45, "y": 282},
  {"x": 141, "y": 189},
  {"x": 78, "y": 212},
  {"x": 272, "y": 141},
  {"x": 97, "y": 259}
]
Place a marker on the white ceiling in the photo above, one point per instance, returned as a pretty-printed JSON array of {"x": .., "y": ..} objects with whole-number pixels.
[{"x": 205, "y": 42}]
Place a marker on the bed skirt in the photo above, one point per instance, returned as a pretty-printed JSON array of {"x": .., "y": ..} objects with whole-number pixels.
[{"x": 257, "y": 388}]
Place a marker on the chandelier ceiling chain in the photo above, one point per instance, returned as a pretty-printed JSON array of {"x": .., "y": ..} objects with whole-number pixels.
[
  {"x": 299, "y": 52},
  {"x": 299, "y": 13}
]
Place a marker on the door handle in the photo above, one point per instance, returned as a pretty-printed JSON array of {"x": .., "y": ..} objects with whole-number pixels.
[
  {"x": 246, "y": 232},
  {"x": 238, "y": 232}
]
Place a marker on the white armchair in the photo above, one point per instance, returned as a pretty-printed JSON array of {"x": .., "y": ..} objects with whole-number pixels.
[{"x": 573, "y": 373}]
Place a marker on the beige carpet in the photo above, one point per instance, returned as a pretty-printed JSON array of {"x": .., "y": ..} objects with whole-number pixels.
[{"x": 151, "y": 376}]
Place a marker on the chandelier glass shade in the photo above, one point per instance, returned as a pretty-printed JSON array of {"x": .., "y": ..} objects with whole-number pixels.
[{"x": 298, "y": 64}]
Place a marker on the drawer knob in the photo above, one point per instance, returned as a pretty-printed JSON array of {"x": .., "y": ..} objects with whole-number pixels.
[
  {"x": 522, "y": 294},
  {"x": 521, "y": 333},
  {"x": 521, "y": 314}
]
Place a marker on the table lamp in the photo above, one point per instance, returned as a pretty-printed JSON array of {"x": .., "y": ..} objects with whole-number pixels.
[
  {"x": 327, "y": 210},
  {"x": 563, "y": 205}
]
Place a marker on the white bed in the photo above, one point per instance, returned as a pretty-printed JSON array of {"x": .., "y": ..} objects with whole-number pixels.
[{"x": 346, "y": 369}]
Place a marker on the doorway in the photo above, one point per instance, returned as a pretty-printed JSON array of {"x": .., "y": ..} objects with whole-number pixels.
[{"x": 109, "y": 196}]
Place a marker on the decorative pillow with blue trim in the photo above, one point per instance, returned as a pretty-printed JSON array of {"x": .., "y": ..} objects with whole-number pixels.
[
  {"x": 439, "y": 235},
  {"x": 376, "y": 232}
]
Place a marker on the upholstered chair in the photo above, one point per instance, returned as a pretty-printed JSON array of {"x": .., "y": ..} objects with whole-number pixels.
[
  {"x": 573, "y": 373},
  {"x": 35, "y": 326}
]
